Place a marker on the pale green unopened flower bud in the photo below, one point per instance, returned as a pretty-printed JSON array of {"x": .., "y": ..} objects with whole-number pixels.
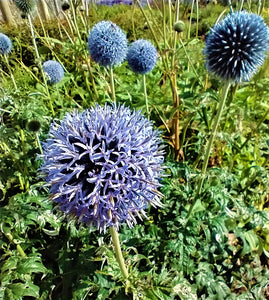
[{"x": 179, "y": 26}]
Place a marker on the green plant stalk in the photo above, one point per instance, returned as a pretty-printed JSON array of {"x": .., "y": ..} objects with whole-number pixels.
[
  {"x": 176, "y": 128},
  {"x": 34, "y": 42},
  {"x": 86, "y": 53},
  {"x": 190, "y": 62},
  {"x": 69, "y": 24},
  {"x": 19, "y": 248},
  {"x": 10, "y": 72},
  {"x": 40, "y": 64},
  {"x": 118, "y": 252},
  {"x": 197, "y": 18},
  {"x": 42, "y": 25},
  {"x": 170, "y": 16},
  {"x": 145, "y": 94},
  {"x": 210, "y": 144},
  {"x": 175, "y": 39},
  {"x": 75, "y": 20},
  {"x": 112, "y": 85},
  {"x": 164, "y": 25},
  {"x": 241, "y": 4},
  {"x": 173, "y": 80},
  {"x": 38, "y": 143},
  {"x": 189, "y": 29}
]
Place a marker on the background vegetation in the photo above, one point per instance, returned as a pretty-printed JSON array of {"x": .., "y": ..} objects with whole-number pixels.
[{"x": 221, "y": 250}]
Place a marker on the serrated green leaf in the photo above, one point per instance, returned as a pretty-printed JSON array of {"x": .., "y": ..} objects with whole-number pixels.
[
  {"x": 31, "y": 265},
  {"x": 19, "y": 290}
]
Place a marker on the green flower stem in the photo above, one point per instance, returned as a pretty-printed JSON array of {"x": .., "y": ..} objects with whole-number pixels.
[
  {"x": 145, "y": 94},
  {"x": 40, "y": 64},
  {"x": 210, "y": 144},
  {"x": 10, "y": 72},
  {"x": 118, "y": 253},
  {"x": 34, "y": 42},
  {"x": 38, "y": 143},
  {"x": 197, "y": 18},
  {"x": 112, "y": 86},
  {"x": 19, "y": 248}
]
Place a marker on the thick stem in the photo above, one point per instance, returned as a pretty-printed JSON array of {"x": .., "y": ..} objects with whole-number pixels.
[
  {"x": 112, "y": 86},
  {"x": 145, "y": 94},
  {"x": 118, "y": 253},
  {"x": 210, "y": 144}
]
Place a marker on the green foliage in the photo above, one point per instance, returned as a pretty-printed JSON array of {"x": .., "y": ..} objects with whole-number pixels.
[{"x": 219, "y": 252}]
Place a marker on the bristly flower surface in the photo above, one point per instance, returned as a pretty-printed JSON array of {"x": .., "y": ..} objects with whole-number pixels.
[
  {"x": 5, "y": 44},
  {"x": 25, "y": 6},
  {"x": 236, "y": 47},
  {"x": 103, "y": 165},
  {"x": 107, "y": 44},
  {"x": 142, "y": 56},
  {"x": 54, "y": 70}
]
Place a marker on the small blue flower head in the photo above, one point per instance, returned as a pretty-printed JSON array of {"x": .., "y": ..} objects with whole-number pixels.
[
  {"x": 5, "y": 44},
  {"x": 107, "y": 44},
  {"x": 103, "y": 165},
  {"x": 142, "y": 56},
  {"x": 54, "y": 70},
  {"x": 25, "y": 6},
  {"x": 236, "y": 47}
]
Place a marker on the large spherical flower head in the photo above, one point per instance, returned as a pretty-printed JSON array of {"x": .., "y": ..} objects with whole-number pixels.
[
  {"x": 54, "y": 71},
  {"x": 107, "y": 44},
  {"x": 5, "y": 44},
  {"x": 103, "y": 165},
  {"x": 236, "y": 47},
  {"x": 25, "y": 6},
  {"x": 142, "y": 56}
]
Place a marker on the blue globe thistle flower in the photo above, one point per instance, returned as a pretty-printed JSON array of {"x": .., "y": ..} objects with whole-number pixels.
[
  {"x": 54, "y": 71},
  {"x": 142, "y": 56},
  {"x": 236, "y": 47},
  {"x": 103, "y": 165},
  {"x": 107, "y": 44},
  {"x": 5, "y": 44},
  {"x": 25, "y": 6}
]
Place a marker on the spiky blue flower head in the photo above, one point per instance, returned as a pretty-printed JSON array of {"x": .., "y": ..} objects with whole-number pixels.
[
  {"x": 142, "y": 56},
  {"x": 107, "y": 44},
  {"x": 103, "y": 165},
  {"x": 25, "y": 6},
  {"x": 236, "y": 47},
  {"x": 54, "y": 70},
  {"x": 5, "y": 44}
]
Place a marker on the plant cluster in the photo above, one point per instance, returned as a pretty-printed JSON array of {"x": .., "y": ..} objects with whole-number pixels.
[{"x": 130, "y": 119}]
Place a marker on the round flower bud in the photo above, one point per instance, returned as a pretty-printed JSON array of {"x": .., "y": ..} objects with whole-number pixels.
[
  {"x": 53, "y": 70},
  {"x": 103, "y": 165},
  {"x": 236, "y": 47},
  {"x": 34, "y": 125},
  {"x": 65, "y": 6},
  {"x": 5, "y": 44},
  {"x": 107, "y": 44},
  {"x": 179, "y": 26},
  {"x": 25, "y": 6},
  {"x": 142, "y": 56}
]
